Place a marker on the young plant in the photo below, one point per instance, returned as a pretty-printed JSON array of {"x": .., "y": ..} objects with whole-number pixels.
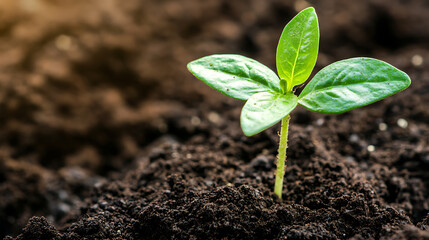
[{"x": 337, "y": 88}]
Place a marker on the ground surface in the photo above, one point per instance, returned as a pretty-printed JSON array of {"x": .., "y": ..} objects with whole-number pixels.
[{"x": 105, "y": 135}]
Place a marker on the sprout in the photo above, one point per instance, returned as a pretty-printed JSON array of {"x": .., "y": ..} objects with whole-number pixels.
[{"x": 337, "y": 88}]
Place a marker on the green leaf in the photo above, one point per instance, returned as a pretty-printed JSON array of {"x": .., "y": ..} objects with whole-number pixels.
[
  {"x": 283, "y": 85},
  {"x": 265, "y": 109},
  {"x": 352, "y": 83},
  {"x": 234, "y": 75},
  {"x": 298, "y": 47}
]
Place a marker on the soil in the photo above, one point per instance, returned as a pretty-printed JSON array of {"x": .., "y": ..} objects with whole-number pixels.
[{"x": 105, "y": 135}]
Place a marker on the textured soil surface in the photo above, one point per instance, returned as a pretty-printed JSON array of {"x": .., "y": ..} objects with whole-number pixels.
[{"x": 105, "y": 135}]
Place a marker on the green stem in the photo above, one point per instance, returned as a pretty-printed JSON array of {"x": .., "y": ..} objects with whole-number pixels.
[{"x": 281, "y": 158}]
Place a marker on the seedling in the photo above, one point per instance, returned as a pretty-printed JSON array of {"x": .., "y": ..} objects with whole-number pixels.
[{"x": 337, "y": 88}]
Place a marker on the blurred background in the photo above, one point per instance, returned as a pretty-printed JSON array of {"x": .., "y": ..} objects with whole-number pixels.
[{"x": 86, "y": 86}]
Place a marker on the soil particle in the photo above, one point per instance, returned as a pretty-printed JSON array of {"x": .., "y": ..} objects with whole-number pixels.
[{"x": 38, "y": 228}]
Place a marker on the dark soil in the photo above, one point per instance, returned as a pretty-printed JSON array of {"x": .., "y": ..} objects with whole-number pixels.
[{"x": 105, "y": 135}]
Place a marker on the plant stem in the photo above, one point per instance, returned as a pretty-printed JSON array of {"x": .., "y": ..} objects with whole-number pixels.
[{"x": 281, "y": 157}]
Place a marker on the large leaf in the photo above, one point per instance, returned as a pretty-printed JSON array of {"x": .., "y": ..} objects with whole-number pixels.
[
  {"x": 352, "y": 83},
  {"x": 298, "y": 47},
  {"x": 234, "y": 75},
  {"x": 265, "y": 109}
]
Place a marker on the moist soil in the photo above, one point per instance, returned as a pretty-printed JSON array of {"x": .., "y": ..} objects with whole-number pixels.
[{"x": 105, "y": 135}]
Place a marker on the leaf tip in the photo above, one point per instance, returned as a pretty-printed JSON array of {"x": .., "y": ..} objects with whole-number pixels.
[
  {"x": 408, "y": 80},
  {"x": 189, "y": 65},
  {"x": 309, "y": 9},
  {"x": 248, "y": 134}
]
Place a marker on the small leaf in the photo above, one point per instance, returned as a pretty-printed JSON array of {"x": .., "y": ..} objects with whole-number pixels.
[
  {"x": 234, "y": 75},
  {"x": 283, "y": 85},
  {"x": 265, "y": 109},
  {"x": 298, "y": 47},
  {"x": 352, "y": 83}
]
